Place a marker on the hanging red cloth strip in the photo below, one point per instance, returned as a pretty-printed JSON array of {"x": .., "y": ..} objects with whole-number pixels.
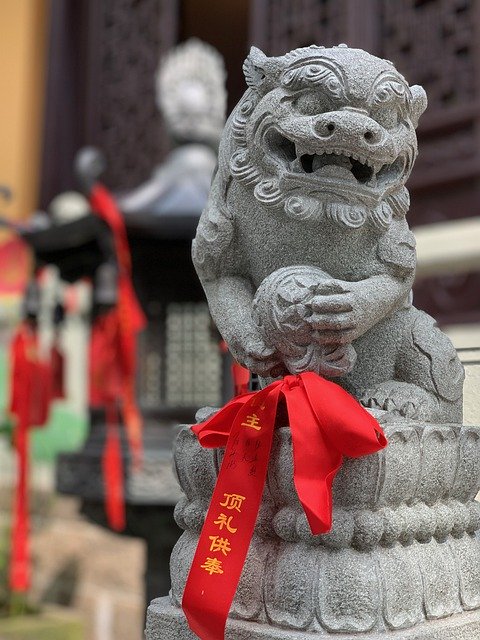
[
  {"x": 112, "y": 466},
  {"x": 106, "y": 386},
  {"x": 128, "y": 315},
  {"x": 113, "y": 364},
  {"x": 58, "y": 371},
  {"x": 30, "y": 397},
  {"x": 326, "y": 424}
]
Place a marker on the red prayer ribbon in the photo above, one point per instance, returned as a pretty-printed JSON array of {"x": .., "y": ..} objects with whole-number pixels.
[
  {"x": 326, "y": 424},
  {"x": 127, "y": 315},
  {"x": 112, "y": 466},
  {"x": 241, "y": 379},
  {"x": 113, "y": 356},
  {"x": 30, "y": 396},
  {"x": 106, "y": 388}
]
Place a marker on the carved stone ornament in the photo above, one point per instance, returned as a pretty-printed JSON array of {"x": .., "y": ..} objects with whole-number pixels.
[
  {"x": 307, "y": 261},
  {"x": 191, "y": 92}
]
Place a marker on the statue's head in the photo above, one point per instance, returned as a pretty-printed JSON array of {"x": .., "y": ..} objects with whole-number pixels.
[
  {"x": 327, "y": 132},
  {"x": 191, "y": 92}
]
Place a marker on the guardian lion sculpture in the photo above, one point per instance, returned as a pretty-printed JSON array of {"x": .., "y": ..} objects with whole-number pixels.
[{"x": 304, "y": 250}]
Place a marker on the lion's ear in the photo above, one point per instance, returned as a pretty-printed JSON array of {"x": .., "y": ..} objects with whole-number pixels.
[
  {"x": 419, "y": 103},
  {"x": 254, "y": 68}
]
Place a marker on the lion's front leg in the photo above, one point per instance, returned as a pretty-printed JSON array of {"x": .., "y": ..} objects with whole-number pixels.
[
  {"x": 230, "y": 300},
  {"x": 343, "y": 311}
]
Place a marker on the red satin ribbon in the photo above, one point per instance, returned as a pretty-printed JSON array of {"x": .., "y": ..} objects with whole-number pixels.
[
  {"x": 241, "y": 379},
  {"x": 106, "y": 386},
  {"x": 326, "y": 424}
]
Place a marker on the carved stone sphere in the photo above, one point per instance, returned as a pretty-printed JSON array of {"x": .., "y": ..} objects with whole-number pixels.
[{"x": 282, "y": 308}]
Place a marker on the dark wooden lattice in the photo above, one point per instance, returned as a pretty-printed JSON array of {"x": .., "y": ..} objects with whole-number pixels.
[
  {"x": 277, "y": 26},
  {"x": 301, "y": 23},
  {"x": 432, "y": 43},
  {"x": 129, "y": 39}
]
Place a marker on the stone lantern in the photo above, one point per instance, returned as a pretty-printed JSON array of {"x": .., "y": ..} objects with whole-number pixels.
[{"x": 180, "y": 364}]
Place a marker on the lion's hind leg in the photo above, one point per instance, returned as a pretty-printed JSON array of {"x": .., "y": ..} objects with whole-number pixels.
[{"x": 428, "y": 379}]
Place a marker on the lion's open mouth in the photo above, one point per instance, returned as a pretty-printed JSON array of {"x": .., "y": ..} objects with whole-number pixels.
[
  {"x": 336, "y": 164},
  {"x": 361, "y": 171}
]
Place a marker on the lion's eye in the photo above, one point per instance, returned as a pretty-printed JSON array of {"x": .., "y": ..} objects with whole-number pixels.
[{"x": 311, "y": 104}]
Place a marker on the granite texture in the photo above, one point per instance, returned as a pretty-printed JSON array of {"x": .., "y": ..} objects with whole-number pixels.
[
  {"x": 403, "y": 551},
  {"x": 308, "y": 208}
]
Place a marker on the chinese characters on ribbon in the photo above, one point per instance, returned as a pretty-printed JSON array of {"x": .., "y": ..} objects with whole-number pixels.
[{"x": 220, "y": 545}]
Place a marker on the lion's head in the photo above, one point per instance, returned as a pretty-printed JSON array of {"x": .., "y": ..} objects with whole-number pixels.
[{"x": 326, "y": 132}]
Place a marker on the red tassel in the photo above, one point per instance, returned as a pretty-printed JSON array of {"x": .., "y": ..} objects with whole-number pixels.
[
  {"x": 19, "y": 578},
  {"x": 29, "y": 403},
  {"x": 112, "y": 464}
]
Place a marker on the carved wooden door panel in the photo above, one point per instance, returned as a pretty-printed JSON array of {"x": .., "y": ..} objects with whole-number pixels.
[
  {"x": 100, "y": 88},
  {"x": 127, "y": 39}
]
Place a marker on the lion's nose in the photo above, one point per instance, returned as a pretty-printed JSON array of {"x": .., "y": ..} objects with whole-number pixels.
[
  {"x": 373, "y": 135},
  {"x": 347, "y": 128}
]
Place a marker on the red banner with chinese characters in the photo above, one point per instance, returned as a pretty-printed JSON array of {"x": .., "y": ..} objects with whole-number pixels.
[{"x": 326, "y": 424}]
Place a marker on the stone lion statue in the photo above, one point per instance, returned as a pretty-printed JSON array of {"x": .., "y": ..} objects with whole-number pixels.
[{"x": 304, "y": 250}]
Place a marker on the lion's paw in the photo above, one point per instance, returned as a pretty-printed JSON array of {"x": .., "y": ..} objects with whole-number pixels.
[{"x": 401, "y": 398}]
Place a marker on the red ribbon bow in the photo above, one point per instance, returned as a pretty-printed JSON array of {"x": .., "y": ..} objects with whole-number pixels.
[{"x": 326, "y": 424}]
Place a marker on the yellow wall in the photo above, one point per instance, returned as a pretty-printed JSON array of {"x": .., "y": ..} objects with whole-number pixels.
[{"x": 23, "y": 47}]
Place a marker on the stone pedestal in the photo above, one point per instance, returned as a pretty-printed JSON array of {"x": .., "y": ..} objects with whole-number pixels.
[{"x": 402, "y": 560}]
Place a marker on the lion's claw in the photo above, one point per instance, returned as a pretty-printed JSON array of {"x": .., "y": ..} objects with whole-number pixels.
[{"x": 399, "y": 398}]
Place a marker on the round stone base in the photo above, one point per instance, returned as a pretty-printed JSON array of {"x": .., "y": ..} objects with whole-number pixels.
[{"x": 164, "y": 622}]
